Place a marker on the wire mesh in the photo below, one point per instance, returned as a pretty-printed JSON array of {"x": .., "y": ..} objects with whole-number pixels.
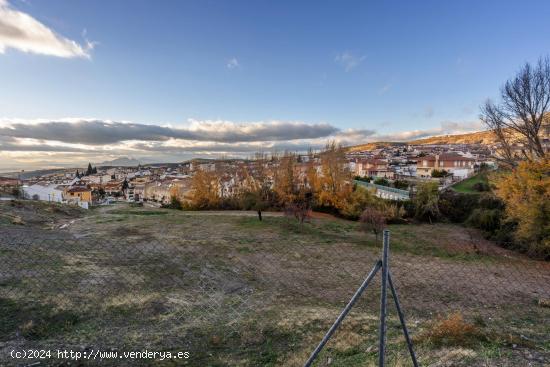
[{"x": 255, "y": 294}]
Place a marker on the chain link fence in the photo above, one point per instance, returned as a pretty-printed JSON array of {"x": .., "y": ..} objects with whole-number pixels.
[{"x": 233, "y": 291}]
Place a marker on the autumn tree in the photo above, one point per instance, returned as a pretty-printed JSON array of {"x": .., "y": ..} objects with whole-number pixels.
[
  {"x": 257, "y": 193},
  {"x": 526, "y": 193},
  {"x": 522, "y": 111},
  {"x": 286, "y": 180},
  {"x": 206, "y": 190},
  {"x": 312, "y": 176},
  {"x": 357, "y": 201},
  {"x": 335, "y": 181}
]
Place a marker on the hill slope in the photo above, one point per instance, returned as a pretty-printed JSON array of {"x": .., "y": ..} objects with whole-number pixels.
[{"x": 479, "y": 137}]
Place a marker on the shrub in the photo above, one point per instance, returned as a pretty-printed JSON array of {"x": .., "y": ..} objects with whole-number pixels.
[
  {"x": 364, "y": 179},
  {"x": 401, "y": 184},
  {"x": 175, "y": 203},
  {"x": 382, "y": 181},
  {"x": 439, "y": 173},
  {"x": 426, "y": 202},
  {"x": 453, "y": 331},
  {"x": 15, "y": 192},
  {"x": 490, "y": 201},
  {"x": 356, "y": 203},
  {"x": 456, "y": 206},
  {"x": 395, "y": 213},
  {"x": 481, "y": 186},
  {"x": 486, "y": 219}
]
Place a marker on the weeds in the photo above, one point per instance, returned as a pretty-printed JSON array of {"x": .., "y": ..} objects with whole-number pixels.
[{"x": 453, "y": 330}]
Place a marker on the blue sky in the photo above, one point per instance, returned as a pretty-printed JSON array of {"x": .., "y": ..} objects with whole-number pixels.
[{"x": 371, "y": 70}]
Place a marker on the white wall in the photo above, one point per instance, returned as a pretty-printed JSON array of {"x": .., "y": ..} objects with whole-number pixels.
[{"x": 44, "y": 193}]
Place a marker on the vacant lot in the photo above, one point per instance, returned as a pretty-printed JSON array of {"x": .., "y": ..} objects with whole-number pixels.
[{"x": 234, "y": 291}]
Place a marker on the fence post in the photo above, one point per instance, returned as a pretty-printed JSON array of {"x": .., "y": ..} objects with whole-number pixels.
[
  {"x": 402, "y": 320},
  {"x": 383, "y": 300},
  {"x": 345, "y": 311}
]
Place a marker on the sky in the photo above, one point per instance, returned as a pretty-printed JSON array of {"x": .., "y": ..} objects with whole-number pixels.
[{"x": 165, "y": 81}]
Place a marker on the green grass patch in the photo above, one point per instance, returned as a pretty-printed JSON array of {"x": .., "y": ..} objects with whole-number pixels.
[{"x": 467, "y": 186}]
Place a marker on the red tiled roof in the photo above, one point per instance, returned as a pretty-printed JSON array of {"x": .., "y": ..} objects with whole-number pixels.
[{"x": 78, "y": 189}]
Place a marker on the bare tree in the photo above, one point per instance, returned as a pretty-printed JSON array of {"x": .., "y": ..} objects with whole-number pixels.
[
  {"x": 372, "y": 220},
  {"x": 523, "y": 110},
  {"x": 300, "y": 207}
]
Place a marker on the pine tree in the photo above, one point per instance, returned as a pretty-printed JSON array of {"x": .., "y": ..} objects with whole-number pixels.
[{"x": 89, "y": 171}]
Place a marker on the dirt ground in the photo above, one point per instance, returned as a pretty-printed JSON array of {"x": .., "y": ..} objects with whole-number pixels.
[{"x": 234, "y": 291}]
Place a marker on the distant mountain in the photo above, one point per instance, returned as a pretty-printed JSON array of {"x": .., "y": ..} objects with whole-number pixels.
[
  {"x": 122, "y": 161},
  {"x": 480, "y": 137}
]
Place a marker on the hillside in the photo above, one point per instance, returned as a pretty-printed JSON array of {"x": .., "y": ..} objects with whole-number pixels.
[{"x": 479, "y": 137}]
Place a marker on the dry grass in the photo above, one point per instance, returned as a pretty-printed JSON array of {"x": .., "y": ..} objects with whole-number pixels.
[
  {"x": 452, "y": 330},
  {"x": 148, "y": 280}
]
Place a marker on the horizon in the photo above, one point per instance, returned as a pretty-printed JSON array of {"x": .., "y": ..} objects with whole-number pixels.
[{"x": 205, "y": 80}]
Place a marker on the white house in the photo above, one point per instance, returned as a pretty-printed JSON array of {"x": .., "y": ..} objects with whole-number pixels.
[{"x": 51, "y": 192}]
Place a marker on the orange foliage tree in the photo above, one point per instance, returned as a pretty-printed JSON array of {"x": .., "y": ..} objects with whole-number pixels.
[
  {"x": 526, "y": 192},
  {"x": 206, "y": 190},
  {"x": 335, "y": 179}
]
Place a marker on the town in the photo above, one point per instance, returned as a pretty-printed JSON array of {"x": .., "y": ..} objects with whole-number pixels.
[{"x": 392, "y": 171}]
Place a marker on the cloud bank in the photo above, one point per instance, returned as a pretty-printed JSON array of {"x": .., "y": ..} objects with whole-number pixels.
[
  {"x": 22, "y": 32},
  {"x": 97, "y": 132},
  {"x": 72, "y": 141}
]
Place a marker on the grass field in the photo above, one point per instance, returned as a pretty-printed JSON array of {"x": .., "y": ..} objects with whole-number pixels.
[
  {"x": 467, "y": 186},
  {"x": 234, "y": 291}
]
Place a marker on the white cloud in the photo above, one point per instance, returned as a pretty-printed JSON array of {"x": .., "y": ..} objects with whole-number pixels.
[
  {"x": 22, "y": 32},
  {"x": 233, "y": 63},
  {"x": 348, "y": 60},
  {"x": 42, "y": 142}
]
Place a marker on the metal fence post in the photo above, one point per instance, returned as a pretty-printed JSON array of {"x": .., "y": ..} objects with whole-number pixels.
[
  {"x": 383, "y": 300},
  {"x": 402, "y": 320},
  {"x": 345, "y": 311}
]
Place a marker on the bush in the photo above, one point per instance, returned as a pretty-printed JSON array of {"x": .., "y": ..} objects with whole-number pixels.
[
  {"x": 175, "y": 203},
  {"x": 490, "y": 201},
  {"x": 382, "y": 181},
  {"x": 486, "y": 219},
  {"x": 401, "y": 184},
  {"x": 364, "y": 179},
  {"x": 426, "y": 202},
  {"x": 15, "y": 192},
  {"x": 395, "y": 214},
  {"x": 358, "y": 201},
  {"x": 481, "y": 187},
  {"x": 439, "y": 173},
  {"x": 456, "y": 206}
]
